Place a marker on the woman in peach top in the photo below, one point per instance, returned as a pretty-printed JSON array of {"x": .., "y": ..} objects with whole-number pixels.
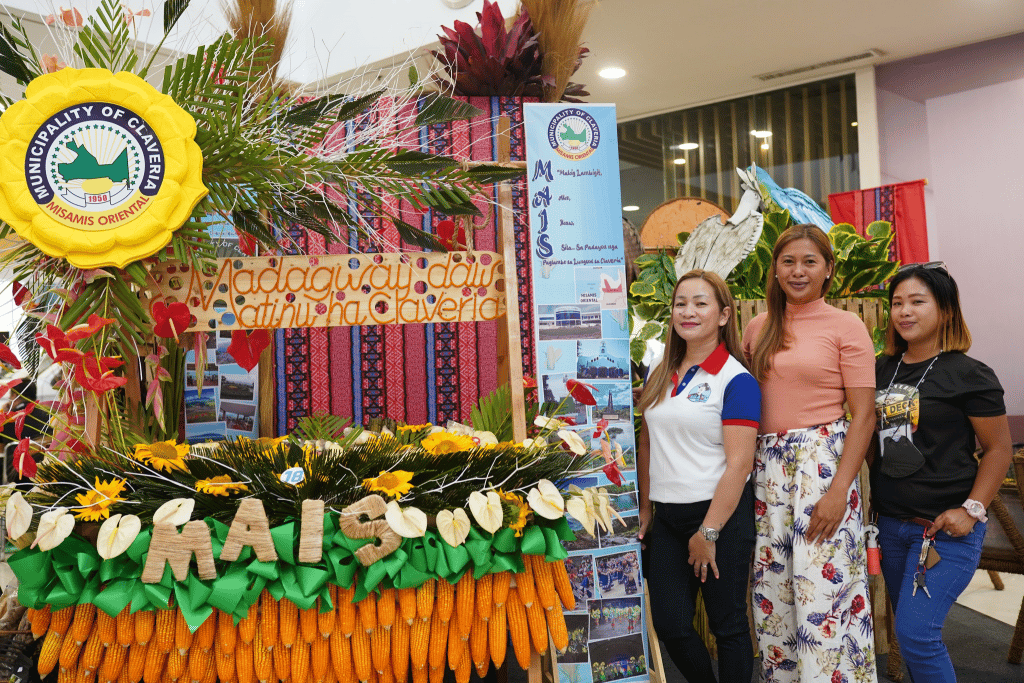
[{"x": 811, "y": 609}]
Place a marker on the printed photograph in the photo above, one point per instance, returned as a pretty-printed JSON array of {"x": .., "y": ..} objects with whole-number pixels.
[
  {"x": 618, "y": 574},
  {"x": 205, "y": 432},
  {"x": 551, "y": 390},
  {"x": 574, "y": 673},
  {"x": 614, "y": 324},
  {"x": 209, "y": 376},
  {"x": 624, "y": 497},
  {"x": 558, "y": 356},
  {"x": 618, "y": 659},
  {"x": 223, "y": 357},
  {"x": 577, "y": 625},
  {"x": 238, "y": 387},
  {"x": 614, "y": 401},
  {"x": 201, "y": 408},
  {"x": 620, "y": 534},
  {"x": 584, "y": 541},
  {"x": 568, "y": 321},
  {"x": 581, "y": 575},
  {"x": 622, "y": 445},
  {"x": 238, "y": 416},
  {"x": 614, "y": 618},
  {"x": 602, "y": 359},
  {"x": 604, "y": 286}
]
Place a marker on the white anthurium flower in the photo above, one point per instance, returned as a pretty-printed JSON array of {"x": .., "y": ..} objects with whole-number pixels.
[
  {"x": 116, "y": 535},
  {"x": 19, "y": 516},
  {"x": 453, "y": 525},
  {"x": 384, "y": 431},
  {"x": 434, "y": 430},
  {"x": 618, "y": 454},
  {"x": 406, "y": 522},
  {"x": 485, "y": 438},
  {"x": 575, "y": 442},
  {"x": 602, "y": 506},
  {"x": 54, "y": 527},
  {"x": 546, "y": 500},
  {"x": 454, "y": 427},
  {"x": 486, "y": 510},
  {"x": 530, "y": 444},
  {"x": 580, "y": 509},
  {"x": 363, "y": 436},
  {"x": 176, "y": 512},
  {"x": 551, "y": 423}
]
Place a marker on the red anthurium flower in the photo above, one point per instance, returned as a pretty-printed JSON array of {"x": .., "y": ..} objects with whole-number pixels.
[
  {"x": 246, "y": 243},
  {"x": 97, "y": 374},
  {"x": 8, "y": 358},
  {"x": 611, "y": 470},
  {"x": 19, "y": 418},
  {"x": 568, "y": 419},
  {"x": 20, "y": 293},
  {"x": 601, "y": 426},
  {"x": 57, "y": 345},
  {"x": 452, "y": 240},
  {"x": 581, "y": 392},
  {"x": 23, "y": 461},
  {"x": 170, "y": 320},
  {"x": 7, "y": 386},
  {"x": 246, "y": 348},
  {"x": 89, "y": 328}
]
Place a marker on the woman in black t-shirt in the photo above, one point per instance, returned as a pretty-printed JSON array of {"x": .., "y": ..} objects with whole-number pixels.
[{"x": 933, "y": 404}]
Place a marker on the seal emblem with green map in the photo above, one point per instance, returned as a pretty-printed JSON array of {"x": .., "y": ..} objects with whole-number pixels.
[{"x": 574, "y": 134}]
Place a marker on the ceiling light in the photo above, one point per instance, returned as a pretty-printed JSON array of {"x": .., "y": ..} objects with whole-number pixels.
[
  {"x": 612, "y": 72},
  {"x": 854, "y": 124},
  {"x": 761, "y": 133},
  {"x": 687, "y": 145},
  {"x": 679, "y": 162},
  {"x": 631, "y": 207},
  {"x": 764, "y": 145}
]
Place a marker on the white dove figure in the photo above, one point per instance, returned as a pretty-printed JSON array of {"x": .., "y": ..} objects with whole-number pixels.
[{"x": 720, "y": 247}]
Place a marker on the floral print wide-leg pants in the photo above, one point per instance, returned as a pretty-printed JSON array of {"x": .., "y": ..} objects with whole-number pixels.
[{"x": 811, "y": 609}]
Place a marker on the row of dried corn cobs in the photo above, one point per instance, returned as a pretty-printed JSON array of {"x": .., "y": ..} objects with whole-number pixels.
[{"x": 379, "y": 639}]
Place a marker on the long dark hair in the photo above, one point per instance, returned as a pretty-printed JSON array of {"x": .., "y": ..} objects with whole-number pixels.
[{"x": 953, "y": 332}]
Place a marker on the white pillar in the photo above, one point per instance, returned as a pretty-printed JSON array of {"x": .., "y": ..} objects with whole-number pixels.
[{"x": 867, "y": 128}]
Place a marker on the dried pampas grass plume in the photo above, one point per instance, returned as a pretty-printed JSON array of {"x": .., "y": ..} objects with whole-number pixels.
[
  {"x": 261, "y": 18},
  {"x": 559, "y": 27}
]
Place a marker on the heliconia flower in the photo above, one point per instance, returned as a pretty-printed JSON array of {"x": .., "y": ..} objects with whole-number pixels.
[
  {"x": 54, "y": 527},
  {"x": 129, "y": 15},
  {"x": 581, "y": 391},
  {"x": 546, "y": 500},
  {"x": 116, "y": 535},
  {"x": 453, "y": 525},
  {"x": 573, "y": 441},
  {"x": 406, "y": 522},
  {"x": 486, "y": 510},
  {"x": 170, "y": 320},
  {"x": 176, "y": 512},
  {"x": 57, "y": 345},
  {"x": 18, "y": 515},
  {"x": 552, "y": 423}
]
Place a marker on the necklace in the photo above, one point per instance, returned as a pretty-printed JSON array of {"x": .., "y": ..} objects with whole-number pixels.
[{"x": 917, "y": 386}]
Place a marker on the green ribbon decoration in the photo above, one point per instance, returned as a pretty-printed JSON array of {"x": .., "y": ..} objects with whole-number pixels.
[
  {"x": 284, "y": 542},
  {"x": 533, "y": 541}
]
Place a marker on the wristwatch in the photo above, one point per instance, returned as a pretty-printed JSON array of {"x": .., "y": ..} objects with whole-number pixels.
[
  {"x": 709, "y": 534},
  {"x": 975, "y": 509}
]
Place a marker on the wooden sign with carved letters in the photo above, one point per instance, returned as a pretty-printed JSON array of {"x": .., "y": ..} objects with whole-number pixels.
[{"x": 329, "y": 290}]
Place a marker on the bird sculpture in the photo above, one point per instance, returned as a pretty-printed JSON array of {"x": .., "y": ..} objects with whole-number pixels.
[
  {"x": 801, "y": 208},
  {"x": 720, "y": 247}
]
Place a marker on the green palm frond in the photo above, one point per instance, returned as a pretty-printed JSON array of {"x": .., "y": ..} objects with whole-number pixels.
[{"x": 105, "y": 42}]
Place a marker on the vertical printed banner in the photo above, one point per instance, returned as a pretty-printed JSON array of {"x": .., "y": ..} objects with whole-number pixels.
[{"x": 579, "y": 290}]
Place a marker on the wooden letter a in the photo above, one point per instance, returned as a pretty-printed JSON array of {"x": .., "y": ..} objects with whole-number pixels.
[{"x": 249, "y": 527}]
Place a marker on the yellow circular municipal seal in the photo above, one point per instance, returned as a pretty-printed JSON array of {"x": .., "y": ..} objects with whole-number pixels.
[{"x": 98, "y": 168}]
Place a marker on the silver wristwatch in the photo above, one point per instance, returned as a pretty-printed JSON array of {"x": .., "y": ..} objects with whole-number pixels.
[{"x": 709, "y": 534}]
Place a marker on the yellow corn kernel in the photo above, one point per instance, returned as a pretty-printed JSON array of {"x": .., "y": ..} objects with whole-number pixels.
[
  {"x": 425, "y": 599},
  {"x": 420, "y": 675},
  {"x": 227, "y": 633},
  {"x": 268, "y": 619},
  {"x": 484, "y": 595},
  {"x": 341, "y": 658},
  {"x": 499, "y": 587},
  {"x": 177, "y": 664},
  {"x": 247, "y": 625},
  {"x": 210, "y": 675},
  {"x": 225, "y": 663},
  {"x": 368, "y": 612},
  {"x": 419, "y": 643},
  {"x": 125, "y": 623},
  {"x": 300, "y": 662},
  {"x": 438, "y": 642},
  {"x": 182, "y": 634},
  {"x": 538, "y": 627},
  {"x": 85, "y": 675},
  {"x": 346, "y": 612},
  {"x": 362, "y": 664},
  {"x": 543, "y": 581},
  {"x": 92, "y": 653},
  {"x": 407, "y": 605},
  {"x": 106, "y": 625},
  {"x": 560, "y": 577},
  {"x": 454, "y": 646},
  {"x": 478, "y": 643},
  {"x": 557, "y": 629},
  {"x": 60, "y": 620},
  {"x": 386, "y": 608},
  {"x": 319, "y": 659},
  {"x": 380, "y": 650},
  {"x": 518, "y": 628},
  {"x": 204, "y": 636},
  {"x": 50, "y": 653},
  {"x": 40, "y": 620},
  {"x": 287, "y": 624},
  {"x": 66, "y": 675},
  {"x": 465, "y": 667},
  {"x": 445, "y": 602},
  {"x": 325, "y": 620},
  {"x": 82, "y": 624},
  {"x": 307, "y": 624},
  {"x": 199, "y": 661},
  {"x": 147, "y": 663},
  {"x": 497, "y": 634},
  {"x": 283, "y": 662},
  {"x": 525, "y": 586},
  {"x": 465, "y": 604},
  {"x": 164, "y": 628},
  {"x": 400, "y": 637},
  {"x": 69, "y": 651},
  {"x": 262, "y": 661},
  {"x": 437, "y": 675},
  {"x": 113, "y": 661},
  {"x": 123, "y": 678},
  {"x": 145, "y": 623}
]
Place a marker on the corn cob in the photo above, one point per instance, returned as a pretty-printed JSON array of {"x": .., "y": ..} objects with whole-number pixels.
[
  {"x": 497, "y": 634},
  {"x": 164, "y": 627},
  {"x": 319, "y": 659},
  {"x": 66, "y": 675},
  {"x": 560, "y": 577},
  {"x": 454, "y": 646},
  {"x": 300, "y": 662},
  {"x": 61, "y": 619},
  {"x": 425, "y": 599},
  {"x": 92, "y": 653},
  {"x": 484, "y": 586},
  {"x": 123, "y": 678},
  {"x": 420, "y": 675},
  {"x": 482, "y": 667},
  {"x": 361, "y": 662},
  {"x": 478, "y": 642},
  {"x": 326, "y": 621},
  {"x": 329, "y": 676},
  {"x": 206, "y": 633},
  {"x": 125, "y": 623},
  {"x": 106, "y": 625},
  {"x": 557, "y": 629},
  {"x": 518, "y": 628},
  {"x": 81, "y": 625},
  {"x": 85, "y": 675},
  {"x": 400, "y": 640},
  {"x": 227, "y": 634},
  {"x": 165, "y": 677},
  {"x": 40, "y": 620},
  {"x": 177, "y": 664},
  {"x": 380, "y": 649},
  {"x": 445, "y": 602},
  {"x": 436, "y": 675},
  {"x": 113, "y": 662},
  {"x": 341, "y": 658},
  {"x": 407, "y": 604},
  {"x": 287, "y": 624},
  {"x": 368, "y": 612},
  {"x": 386, "y": 608},
  {"x": 465, "y": 667},
  {"x": 419, "y": 642},
  {"x": 465, "y": 605},
  {"x": 69, "y": 651},
  {"x": 543, "y": 581},
  {"x": 268, "y": 620},
  {"x": 225, "y": 663},
  {"x": 136, "y": 662},
  {"x": 386, "y": 676},
  {"x": 373, "y": 677},
  {"x": 538, "y": 627},
  {"x": 50, "y": 653},
  {"x": 155, "y": 665},
  {"x": 262, "y": 663},
  {"x": 438, "y": 642},
  {"x": 307, "y": 624},
  {"x": 210, "y": 675},
  {"x": 283, "y": 662},
  {"x": 247, "y": 625},
  {"x": 198, "y": 662},
  {"x": 145, "y": 621},
  {"x": 525, "y": 585},
  {"x": 346, "y": 612},
  {"x": 182, "y": 634}
]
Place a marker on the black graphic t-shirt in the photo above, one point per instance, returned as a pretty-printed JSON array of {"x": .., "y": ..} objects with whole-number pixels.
[{"x": 937, "y": 418}]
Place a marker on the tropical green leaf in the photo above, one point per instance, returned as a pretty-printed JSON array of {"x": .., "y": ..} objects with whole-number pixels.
[
  {"x": 636, "y": 350},
  {"x": 879, "y": 229},
  {"x": 641, "y": 288},
  {"x": 437, "y": 108},
  {"x": 650, "y": 330},
  {"x": 354, "y": 107},
  {"x": 173, "y": 9},
  {"x": 11, "y": 61},
  {"x": 413, "y": 162},
  {"x": 416, "y": 237},
  {"x": 489, "y": 173}
]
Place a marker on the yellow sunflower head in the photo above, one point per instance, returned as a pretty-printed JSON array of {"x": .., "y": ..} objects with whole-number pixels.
[
  {"x": 95, "y": 503},
  {"x": 517, "y": 513},
  {"x": 163, "y": 455},
  {"x": 220, "y": 486},
  {"x": 446, "y": 442},
  {"x": 395, "y": 484}
]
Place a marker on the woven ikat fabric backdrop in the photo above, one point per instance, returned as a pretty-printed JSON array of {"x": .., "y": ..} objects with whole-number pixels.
[{"x": 413, "y": 373}]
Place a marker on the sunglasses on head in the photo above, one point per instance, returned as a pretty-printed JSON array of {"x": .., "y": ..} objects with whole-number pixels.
[{"x": 941, "y": 265}]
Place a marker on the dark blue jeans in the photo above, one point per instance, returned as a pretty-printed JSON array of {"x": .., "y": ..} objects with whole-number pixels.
[
  {"x": 674, "y": 588},
  {"x": 918, "y": 619}
]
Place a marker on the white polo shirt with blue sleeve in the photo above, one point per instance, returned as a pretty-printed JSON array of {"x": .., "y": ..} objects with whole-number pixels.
[{"x": 685, "y": 428}]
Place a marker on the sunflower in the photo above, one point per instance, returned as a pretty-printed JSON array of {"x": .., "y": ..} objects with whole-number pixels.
[
  {"x": 163, "y": 455},
  {"x": 446, "y": 442},
  {"x": 520, "y": 512},
  {"x": 220, "y": 486},
  {"x": 395, "y": 484},
  {"x": 414, "y": 428},
  {"x": 95, "y": 504}
]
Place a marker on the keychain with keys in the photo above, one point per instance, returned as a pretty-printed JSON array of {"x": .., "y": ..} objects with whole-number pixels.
[{"x": 919, "y": 577}]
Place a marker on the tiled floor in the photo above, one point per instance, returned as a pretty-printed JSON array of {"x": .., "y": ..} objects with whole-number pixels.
[{"x": 1003, "y": 605}]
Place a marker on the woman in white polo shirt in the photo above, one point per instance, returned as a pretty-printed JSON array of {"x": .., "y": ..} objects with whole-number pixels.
[{"x": 701, "y": 410}]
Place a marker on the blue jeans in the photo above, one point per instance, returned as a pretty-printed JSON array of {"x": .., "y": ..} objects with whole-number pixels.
[{"x": 918, "y": 618}]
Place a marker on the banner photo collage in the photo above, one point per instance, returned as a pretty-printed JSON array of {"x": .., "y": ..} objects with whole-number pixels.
[{"x": 583, "y": 333}]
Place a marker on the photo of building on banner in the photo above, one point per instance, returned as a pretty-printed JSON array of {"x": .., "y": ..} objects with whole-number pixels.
[{"x": 581, "y": 328}]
